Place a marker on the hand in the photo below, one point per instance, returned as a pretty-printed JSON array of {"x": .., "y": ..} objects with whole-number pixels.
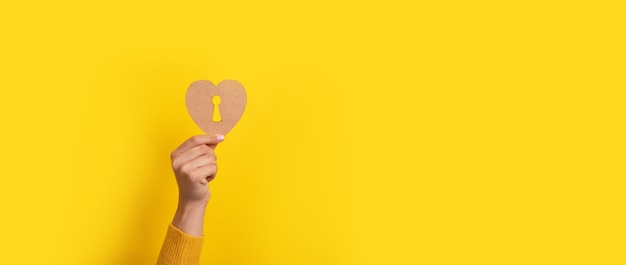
[{"x": 195, "y": 165}]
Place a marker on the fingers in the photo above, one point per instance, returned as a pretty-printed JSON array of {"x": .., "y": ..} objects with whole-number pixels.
[
  {"x": 202, "y": 148},
  {"x": 206, "y": 173},
  {"x": 197, "y": 140},
  {"x": 201, "y": 169},
  {"x": 192, "y": 154},
  {"x": 201, "y": 161}
]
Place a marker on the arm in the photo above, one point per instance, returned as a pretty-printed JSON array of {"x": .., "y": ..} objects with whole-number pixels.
[{"x": 194, "y": 164}]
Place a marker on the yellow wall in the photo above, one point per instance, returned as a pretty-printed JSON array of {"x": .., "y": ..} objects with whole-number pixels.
[{"x": 376, "y": 132}]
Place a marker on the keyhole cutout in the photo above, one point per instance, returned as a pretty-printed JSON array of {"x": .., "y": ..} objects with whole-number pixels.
[{"x": 217, "y": 116}]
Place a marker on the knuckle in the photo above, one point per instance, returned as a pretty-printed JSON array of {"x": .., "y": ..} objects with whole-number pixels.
[
  {"x": 195, "y": 174},
  {"x": 186, "y": 168},
  {"x": 204, "y": 148},
  {"x": 175, "y": 162},
  {"x": 214, "y": 173},
  {"x": 197, "y": 139},
  {"x": 203, "y": 160}
]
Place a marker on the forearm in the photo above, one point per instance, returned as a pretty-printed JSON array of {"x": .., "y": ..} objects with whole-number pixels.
[
  {"x": 189, "y": 217},
  {"x": 184, "y": 238}
]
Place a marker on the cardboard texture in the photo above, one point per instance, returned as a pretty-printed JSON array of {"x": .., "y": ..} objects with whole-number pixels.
[{"x": 231, "y": 103}]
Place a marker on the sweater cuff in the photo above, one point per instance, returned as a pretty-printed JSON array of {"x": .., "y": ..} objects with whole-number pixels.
[{"x": 180, "y": 248}]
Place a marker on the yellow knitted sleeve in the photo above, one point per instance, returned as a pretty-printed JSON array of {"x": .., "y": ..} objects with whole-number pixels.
[{"x": 180, "y": 248}]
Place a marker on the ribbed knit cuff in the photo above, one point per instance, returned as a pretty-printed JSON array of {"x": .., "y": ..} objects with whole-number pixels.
[{"x": 180, "y": 248}]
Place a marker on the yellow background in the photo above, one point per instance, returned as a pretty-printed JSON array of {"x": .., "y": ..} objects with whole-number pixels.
[{"x": 376, "y": 132}]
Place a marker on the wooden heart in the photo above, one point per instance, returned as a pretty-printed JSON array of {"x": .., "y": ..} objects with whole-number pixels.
[{"x": 229, "y": 97}]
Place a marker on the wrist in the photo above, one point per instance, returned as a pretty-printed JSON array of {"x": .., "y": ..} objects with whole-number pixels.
[{"x": 191, "y": 205}]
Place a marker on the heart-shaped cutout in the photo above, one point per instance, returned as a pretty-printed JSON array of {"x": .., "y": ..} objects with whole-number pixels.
[{"x": 216, "y": 109}]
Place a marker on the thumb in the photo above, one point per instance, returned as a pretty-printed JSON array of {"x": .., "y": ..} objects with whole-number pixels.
[{"x": 218, "y": 139}]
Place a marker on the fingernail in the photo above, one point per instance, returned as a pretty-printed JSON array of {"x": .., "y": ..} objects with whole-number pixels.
[{"x": 220, "y": 137}]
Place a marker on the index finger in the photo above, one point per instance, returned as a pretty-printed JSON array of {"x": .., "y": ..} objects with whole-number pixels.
[{"x": 199, "y": 140}]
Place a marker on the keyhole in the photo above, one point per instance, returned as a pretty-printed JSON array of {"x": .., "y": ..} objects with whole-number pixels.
[{"x": 217, "y": 116}]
